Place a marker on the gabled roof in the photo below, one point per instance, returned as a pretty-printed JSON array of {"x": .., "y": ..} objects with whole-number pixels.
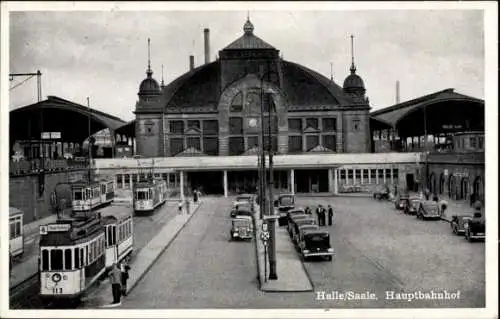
[
  {"x": 392, "y": 114},
  {"x": 190, "y": 151},
  {"x": 249, "y": 41}
]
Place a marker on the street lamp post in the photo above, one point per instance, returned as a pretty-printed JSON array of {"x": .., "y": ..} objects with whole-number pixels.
[{"x": 272, "y": 222}]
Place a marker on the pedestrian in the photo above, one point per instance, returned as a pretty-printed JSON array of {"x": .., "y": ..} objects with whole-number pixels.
[
  {"x": 187, "y": 207},
  {"x": 115, "y": 278},
  {"x": 427, "y": 193},
  {"x": 180, "y": 207},
  {"x": 195, "y": 196},
  {"x": 330, "y": 215},
  {"x": 321, "y": 215},
  {"x": 124, "y": 268}
]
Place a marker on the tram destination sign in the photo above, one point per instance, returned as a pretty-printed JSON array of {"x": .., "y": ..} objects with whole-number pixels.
[{"x": 45, "y": 229}]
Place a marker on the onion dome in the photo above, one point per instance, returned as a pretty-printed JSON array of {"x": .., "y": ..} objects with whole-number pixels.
[{"x": 353, "y": 82}]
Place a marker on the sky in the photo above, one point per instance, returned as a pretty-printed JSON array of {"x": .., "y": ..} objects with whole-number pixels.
[{"x": 103, "y": 55}]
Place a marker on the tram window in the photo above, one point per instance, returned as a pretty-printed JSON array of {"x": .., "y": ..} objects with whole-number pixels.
[
  {"x": 150, "y": 194},
  {"x": 12, "y": 233},
  {"x": 103, "y": 189},
  {"x": 77, "y": 258},
  {"x": 110, "y": 239},
  {"x": 110, "y": 187},
  {"x": 141, "y": 195},
  {"x": 94, "y": 250},
  {"x": 56, "y": 259},
  {"x": 88, "y": 194},
  {"x": 120, "y": 233},
  {"x": 113, "y": 234},
  {"x": 82, "y": 260},
  {"x": 91, "y": 254},
  {"x": 67, "y": 259},
  {"x": 86, "y": 255},
  {"x": 78, "y": 195},
  {"x": 45, "y": 259}
]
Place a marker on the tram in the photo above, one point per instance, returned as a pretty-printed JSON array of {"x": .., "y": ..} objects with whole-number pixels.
[
  {"x": 148, "y": 195},
  {"x": 16, "y": 238},
  {"x": 89, "y": 196},
  {"x": 76, "y": 252}
]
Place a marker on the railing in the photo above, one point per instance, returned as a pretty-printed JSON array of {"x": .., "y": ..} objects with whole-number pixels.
[{"x": 24, "y": 167}]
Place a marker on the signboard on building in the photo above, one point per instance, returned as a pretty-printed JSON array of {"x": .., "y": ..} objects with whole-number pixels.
[{"x": 50, "y": 135}]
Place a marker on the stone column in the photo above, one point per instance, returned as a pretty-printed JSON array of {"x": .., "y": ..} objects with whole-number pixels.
[
  {"x": 369, "y": 176},
  {"x": 335, "y": 181},
  {"x": 330, "y": 180},
  {"x": 392, "y": 176},
  {"x": 131, "y": 181},
  {"x": 168, "y": 180},
  {"x": 353, "y": 176},
  {"x": 292, "y": 181},
  {"x": 225, "y": 183},
  {"x": 376, "y": 176},
  {"x": 362, "y": 172},
  {"x": 123, "y": 181},
  {"x": 182, "y": 185},
  {"x": 383, "y": 170}
]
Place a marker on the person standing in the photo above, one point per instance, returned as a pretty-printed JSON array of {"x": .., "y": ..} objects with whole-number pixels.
[
  {"x": 321, "y": 215},
  {"x": 195, "y": 196},
  {"x": 115, "y": 279},
  {"x": 124, "y": 268},
  {"x": 180, "y": 207},
  {"x": 330, "y": 215}
]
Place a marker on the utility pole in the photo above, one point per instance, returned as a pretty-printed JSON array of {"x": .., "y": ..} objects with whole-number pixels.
[{"x": 262, "y": 149}]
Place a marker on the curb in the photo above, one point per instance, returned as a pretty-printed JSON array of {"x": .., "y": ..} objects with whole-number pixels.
[{"x": 139, "y": 278}]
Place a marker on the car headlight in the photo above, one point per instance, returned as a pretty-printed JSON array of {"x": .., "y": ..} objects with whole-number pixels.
[
  {"x": 56, "y": 277},
  {"x": 306, "y": 251},
  {"x": 466, "y": 225},
  {"x": 330, "y": 250}
]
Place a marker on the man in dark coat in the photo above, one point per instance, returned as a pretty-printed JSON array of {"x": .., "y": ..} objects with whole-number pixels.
[
  {"x": 330, "y": 215},
  {"x": 320, "y": 211}
]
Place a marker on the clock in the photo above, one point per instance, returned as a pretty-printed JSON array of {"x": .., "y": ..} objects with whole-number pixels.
[{"x": 252, "y": 122}]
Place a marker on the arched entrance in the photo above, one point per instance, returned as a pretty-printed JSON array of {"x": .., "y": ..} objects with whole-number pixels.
[
  {"x": 478, "y": 187},
  {"x": 441, "y": 184},
  {"x": 451, "y": 187},
  {"x": 464, "y": 188}
]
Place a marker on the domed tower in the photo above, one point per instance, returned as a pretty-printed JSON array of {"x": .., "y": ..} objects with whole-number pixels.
[
  {"x": 353, "y": 84},
  {"x": 149, "y": 88}
]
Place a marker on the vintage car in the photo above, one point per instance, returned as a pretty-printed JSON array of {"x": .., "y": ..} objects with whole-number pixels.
[
  {"x": 294, "y": 211},
  {"x": 458, "y": 222},
  {"x": 292, "y": 220},
  {"x": 241, "y": 227},
  {"x": 241, "y": 211},
  {"x": 401, "y": 200},
  {"x": 300, "y": 222},
  {"x": 475, "y": 228},
  {"x": 428, "y": 209},
  {"x": 412, "y": 205},
  {"x": 283, "y": 204},
  {"x": 249, "y": 198},
  {"x": 315, "y": 243},
  {"x": 304, "y": 228},
  {"x": 381, "y": 193}
]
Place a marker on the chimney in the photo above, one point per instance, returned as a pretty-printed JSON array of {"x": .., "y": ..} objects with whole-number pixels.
[
  {"x": 397, "y": 92},
  {"x": 191, "y": 62},
  {"x": 207, "y": 45}
]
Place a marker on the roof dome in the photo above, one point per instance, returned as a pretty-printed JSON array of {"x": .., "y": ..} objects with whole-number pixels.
[
  {"x": 353, "y": 82},
  {"x": 248, "y": 27},
  {"x": 149, "y": 85}
]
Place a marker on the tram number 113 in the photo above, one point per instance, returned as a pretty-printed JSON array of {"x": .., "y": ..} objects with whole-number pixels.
[{"x": 57, "y": 290}]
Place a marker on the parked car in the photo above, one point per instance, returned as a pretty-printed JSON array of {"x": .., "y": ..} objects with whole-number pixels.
[
  {"x": 381, "y": 193},
  {"x": 241, "y": 227},
  {"x": 458, "y": 222},
  {"x": 305, "y": 228},
  {"x": 249, "y": 198},
  {"x": 241, "y": 211},
  {"x": 401, "y": 200},
  {"x": 283, "y": 204},
  {"x": 293, "y": 218},
  {"x": 428, "y": 209},
  {"x": 412, "y": 205},
  {"x": 475, "y": 228},
  {"x": 299, "y": 222},
  {"x": 316, "y": 243}
]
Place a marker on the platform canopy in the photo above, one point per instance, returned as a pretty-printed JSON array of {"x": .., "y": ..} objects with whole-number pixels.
[
  {"x": 72, "y": 120},
  {"x": 440, "y": 112}
]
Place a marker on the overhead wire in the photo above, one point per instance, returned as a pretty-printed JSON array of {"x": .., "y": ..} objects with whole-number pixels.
[{"x": 20, "y": 83}]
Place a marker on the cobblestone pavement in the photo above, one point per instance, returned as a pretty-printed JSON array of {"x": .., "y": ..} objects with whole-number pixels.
[{"x": 377, "y": 250}]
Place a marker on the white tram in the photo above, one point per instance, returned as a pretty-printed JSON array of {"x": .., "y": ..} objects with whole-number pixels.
[
  {"x": 16, "y": 238},
  {"x": 88, "y": 196},
  {"x": 75, "y": 253},
  {"x": 149, "y": 195}
]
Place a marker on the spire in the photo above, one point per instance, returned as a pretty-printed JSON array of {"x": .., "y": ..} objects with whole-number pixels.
[
  {"x": 162, "y": 82},
  {"x": 248, "y": 26},
  {"x": 353, "y": 67},
  {"x": 331, "y": 71},
  {"x": 149, "y": 72}
]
